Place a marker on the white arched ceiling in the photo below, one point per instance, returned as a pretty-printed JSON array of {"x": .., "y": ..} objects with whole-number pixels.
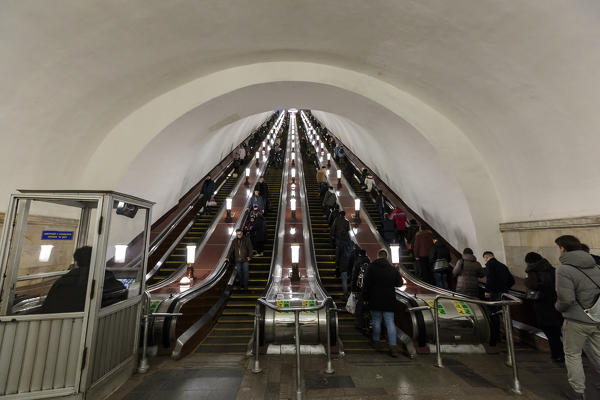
[
  {"x": 181, "y": 155},
  {"x": 413, "y": 167},
  {"x": 516, "y": 80}
]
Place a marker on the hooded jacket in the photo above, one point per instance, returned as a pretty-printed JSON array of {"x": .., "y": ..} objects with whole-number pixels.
[
  {"x": 541, "y": 277},
  {"x": 468, "y": 271},
  {"x": 574, "y": 288}
]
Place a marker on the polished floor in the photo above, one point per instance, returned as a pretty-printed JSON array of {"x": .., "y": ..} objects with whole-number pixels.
[{"x": 358, "y": 376}]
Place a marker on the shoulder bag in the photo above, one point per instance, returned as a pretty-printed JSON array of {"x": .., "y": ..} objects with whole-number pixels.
[{"x": 594, "y": 310}]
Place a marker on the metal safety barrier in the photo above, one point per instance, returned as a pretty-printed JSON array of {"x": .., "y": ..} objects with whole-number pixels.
[
  {"x": 505, "y": 304},
  {"x": 296, "y": 310},
  {"x": 144, "y": 365}
]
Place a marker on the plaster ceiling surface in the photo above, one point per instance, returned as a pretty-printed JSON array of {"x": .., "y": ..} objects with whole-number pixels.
[{"x": 518, "y": 79}]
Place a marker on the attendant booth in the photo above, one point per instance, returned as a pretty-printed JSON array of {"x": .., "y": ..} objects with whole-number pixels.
[{"x": 72, "y": 265}]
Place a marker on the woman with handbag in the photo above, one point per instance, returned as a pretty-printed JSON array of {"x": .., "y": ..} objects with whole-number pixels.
[
  {"x": 467, "y": 272},
  {"x": 540, "y": 283}
]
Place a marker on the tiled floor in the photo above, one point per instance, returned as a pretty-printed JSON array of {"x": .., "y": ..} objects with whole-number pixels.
[{"x": 368, "y": 376}]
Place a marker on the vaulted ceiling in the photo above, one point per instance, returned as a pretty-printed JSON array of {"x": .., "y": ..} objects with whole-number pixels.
[{"x": 492, "y": 103}]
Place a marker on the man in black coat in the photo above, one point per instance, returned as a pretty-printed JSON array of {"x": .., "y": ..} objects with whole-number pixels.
[
  {"x": 380, "y": 295},
  {"x": 263, "y": 191},
  {"x": 541, "y": 278},
  {"x": 207, "y": 190},
  {"x": 67, "y": 294},
  {"x": 498, "y": 280}
]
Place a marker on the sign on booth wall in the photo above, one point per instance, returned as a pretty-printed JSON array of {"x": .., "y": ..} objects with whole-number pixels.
[{"x": 57, "y": 235}]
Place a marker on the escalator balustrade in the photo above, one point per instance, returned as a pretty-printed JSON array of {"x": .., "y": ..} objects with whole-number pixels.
[
  {"x": 235, "y": 325},
  {"x": 203, "y": 221}
]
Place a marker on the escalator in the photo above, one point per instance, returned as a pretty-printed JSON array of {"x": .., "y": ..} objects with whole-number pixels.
[
  {"x": 234, "y": 326},
  {"x": 353, "y": 340},
  {"x": 203, "y": 221}
]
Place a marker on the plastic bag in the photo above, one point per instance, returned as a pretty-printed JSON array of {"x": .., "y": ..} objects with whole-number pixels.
[{"x": 351, "y": 303}]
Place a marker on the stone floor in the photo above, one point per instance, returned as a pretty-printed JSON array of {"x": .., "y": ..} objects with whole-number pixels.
[{"x": 369, "y": 376}]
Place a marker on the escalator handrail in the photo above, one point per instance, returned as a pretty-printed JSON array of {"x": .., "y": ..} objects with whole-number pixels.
[
  {"x": 312, "y": 240},
  {"x": 282, "y": 187},
  {"x": 180, "y": 299}
]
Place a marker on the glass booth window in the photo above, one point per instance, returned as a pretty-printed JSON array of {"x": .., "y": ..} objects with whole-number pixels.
[
  {"x": 124, "y": 254},
  {"x": 42, "y": 274}
]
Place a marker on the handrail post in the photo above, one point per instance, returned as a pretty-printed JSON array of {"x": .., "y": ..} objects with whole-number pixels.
[
  {"x": 511, "y": 348},
  {"x": 298, "y": 377},
  {"x": 436, "y": 322},
  {"x": 257, "y": 369},
  {"x": 144, "y": 365},
  {"x": 329, "y": 369}
]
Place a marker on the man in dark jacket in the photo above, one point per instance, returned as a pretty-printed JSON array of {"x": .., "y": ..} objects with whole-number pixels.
[
  {"x": 258, "y": 233},
  {"x": 240, "y": 253},
  {"x": 541, "y": 279},
  {"x": 340, "y": 230},
  {"x": 439, "y": 259},
  {"x": 498, "y": 280},
  {"x": 256, "y": 200},
  {"x": 389, "y": 228},
  {"x": 207, "y": 190},
  {"x": 67, "y": 294},
  {"x": 263, "y": 191},
  {"x": 380, "y": 295},
  {"x": 329, "y": 201},
  {"x": 577, "y": 288}
]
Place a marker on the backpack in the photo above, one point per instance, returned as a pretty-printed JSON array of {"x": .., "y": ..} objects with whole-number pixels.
[{"x": 362, "y": 273}]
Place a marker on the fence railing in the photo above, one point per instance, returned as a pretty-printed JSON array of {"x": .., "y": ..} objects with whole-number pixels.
[{"x": 505, "y": 304}]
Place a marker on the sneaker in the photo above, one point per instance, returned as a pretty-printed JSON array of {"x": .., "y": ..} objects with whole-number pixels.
[{"x": 394, "y": 351}]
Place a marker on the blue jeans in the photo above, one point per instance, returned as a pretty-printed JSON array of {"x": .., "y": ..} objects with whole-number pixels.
[
  {"x": 388, "y": 317},
  {"x": 242, "y": 271},
  {"x": 441, "y": 279},
  {"x": 344, "y": 276}
]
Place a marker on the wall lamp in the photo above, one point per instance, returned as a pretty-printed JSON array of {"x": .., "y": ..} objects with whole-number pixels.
[
  {"x": 357, "y": 209},
  {"x": 293, "y": 208},
  {"x": 228, "y": 202},
  {"x": 395, "y": 252},
  {"x": 295, "y": 260}
]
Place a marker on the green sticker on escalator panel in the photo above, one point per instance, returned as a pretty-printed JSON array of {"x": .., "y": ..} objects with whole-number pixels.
[
  {"x": 154, "y": 305},
  {"x": 462, "y": 307},
  {"x": 441, "y": 309}
]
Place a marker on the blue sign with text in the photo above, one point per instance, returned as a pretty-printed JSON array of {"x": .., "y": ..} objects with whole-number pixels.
[{"x": 57, "y": 235}]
